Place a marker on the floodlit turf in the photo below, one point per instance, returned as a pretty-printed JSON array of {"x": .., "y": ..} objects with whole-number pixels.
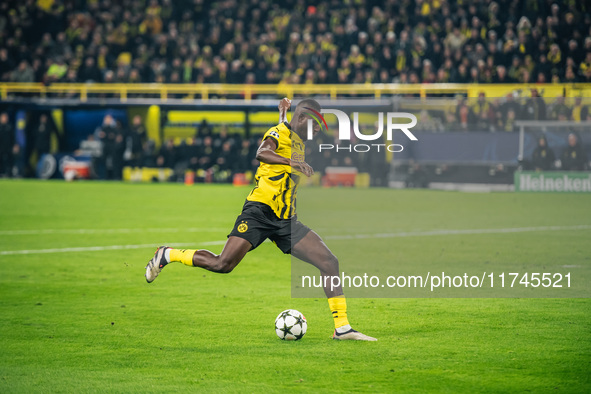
[{"x": 79, "y": 320}]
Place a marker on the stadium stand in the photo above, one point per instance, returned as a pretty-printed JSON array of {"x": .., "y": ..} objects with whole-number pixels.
[
  {"x": 514, "y": 60},
  {"x": 295, "y": 41}
]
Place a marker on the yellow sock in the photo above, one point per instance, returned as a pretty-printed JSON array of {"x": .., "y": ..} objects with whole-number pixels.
[
  {"x": 184, "y": 256},
  {"x": 338, "y": 307}
]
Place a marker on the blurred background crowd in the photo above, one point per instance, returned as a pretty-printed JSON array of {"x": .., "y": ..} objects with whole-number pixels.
[
  {"x": 209, "y": 154},
  {"x": 295, "y": 41},
  {"x": 287, "y": 42},
  {"x": 216, "y": 153}
]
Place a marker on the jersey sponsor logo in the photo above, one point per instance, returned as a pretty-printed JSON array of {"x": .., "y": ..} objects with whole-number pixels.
[
  {"x": 295, "y": 156},
  {"x": 242, "y": 227}
]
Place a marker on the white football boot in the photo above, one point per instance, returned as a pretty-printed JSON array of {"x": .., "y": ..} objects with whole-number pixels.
[
  {"x": 156, "y": 264},
  {"x": 352, "y": 335}
]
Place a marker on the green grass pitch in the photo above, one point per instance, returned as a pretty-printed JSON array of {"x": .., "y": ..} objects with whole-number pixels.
[{"x": 78, "y": 319}]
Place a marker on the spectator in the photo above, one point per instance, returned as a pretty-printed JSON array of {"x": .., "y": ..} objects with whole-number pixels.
[
  {"x": 501, "y": 75},
  {"x": 117, "y": 153},
  {"x": 585, "y": 65},
  {"x": 226, "y": 164},
  {"x": 245, "y": 156},
  {"x": 454, "y": 40},
  {"x": 560, "y": 111},
  {"x": 543, "y": 67},
  {"x": 43, "y": 133},
  {"x": 543, "y": 157},
  {"x": 207, "y": 154},
  {"x": 203, "y": 130},
  {"x": 109, "y": 134},
  {"x": 167, "y": 155},
  {"x": 483, "y": 111},
  {"x": 535, "y": 107},
  {"x": 510, "y": 104},
  {"x": 57, "y": 70},
  {"x": 8, "y": 147},
  {"x": 555, "y": 55},
  {"x": 510, "y": 125},
  {"x": 6, "y": 64},
  {"x": 427, "y": 123},
  {"x": 135, "y": 141},
  {"x": 191, "y": 154},
  {"x": 574, "y": 157},
  {"x": 221, "y": 138},
  {"x": 580, "y": 111},
  {"x": 24, "y": 73},
  {"x": 89, "y": 72},
  {"x": 451, "y": 123},
  {"x": 464, "y": 115}
]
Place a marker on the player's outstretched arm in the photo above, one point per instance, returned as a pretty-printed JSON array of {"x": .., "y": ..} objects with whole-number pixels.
[{"x": 284, "y": 106}]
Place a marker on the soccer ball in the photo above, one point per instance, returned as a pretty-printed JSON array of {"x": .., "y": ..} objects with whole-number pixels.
[{"x": 290, "y": 325}]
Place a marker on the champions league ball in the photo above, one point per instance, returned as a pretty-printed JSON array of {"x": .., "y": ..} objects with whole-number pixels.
[{"x": 290, "y": 325}]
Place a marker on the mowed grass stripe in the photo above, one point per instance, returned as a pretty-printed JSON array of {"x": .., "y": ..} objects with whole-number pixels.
[{"x": 330, "y": 237}]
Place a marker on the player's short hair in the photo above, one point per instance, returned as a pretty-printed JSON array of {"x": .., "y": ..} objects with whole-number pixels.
[{"x": 307, "y": 102}]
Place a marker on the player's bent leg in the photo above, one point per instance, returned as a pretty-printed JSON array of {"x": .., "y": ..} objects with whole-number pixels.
[
  {"x": 234, "y": 251},
  {"x": 312, "y": 249}
]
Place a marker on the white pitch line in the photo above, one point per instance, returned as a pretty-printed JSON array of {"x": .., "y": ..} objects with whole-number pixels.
[
  {"x": 333, "y": 237},
  {"x": 459, "y": 232},
  {"x": 114, "y": 230},
  {"x": 101, "y": 248}
]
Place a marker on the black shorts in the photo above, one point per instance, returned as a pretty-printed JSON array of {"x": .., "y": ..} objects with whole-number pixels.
[{"x": 257, "y": 222}]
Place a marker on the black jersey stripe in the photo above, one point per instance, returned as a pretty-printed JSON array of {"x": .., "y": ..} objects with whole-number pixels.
[
  {"x": 277, "y": 177},
  {"x": 282, "y": 215},
  {"x": 295, "y": 179}
]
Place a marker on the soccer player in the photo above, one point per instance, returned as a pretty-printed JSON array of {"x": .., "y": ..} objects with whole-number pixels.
[{"x": 269, "y": 212}]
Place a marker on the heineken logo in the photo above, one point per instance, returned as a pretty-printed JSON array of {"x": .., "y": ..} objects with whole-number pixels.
[{"x": 553, "y": 182}]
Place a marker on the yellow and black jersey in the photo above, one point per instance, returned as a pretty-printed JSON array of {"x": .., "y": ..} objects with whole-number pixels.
[{"x": 276, "y": 184}]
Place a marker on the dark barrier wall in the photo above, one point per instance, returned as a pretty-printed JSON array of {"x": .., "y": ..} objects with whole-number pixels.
[
  {"x": 461, "y": 147},
  {"x": 481, "y": 147}
]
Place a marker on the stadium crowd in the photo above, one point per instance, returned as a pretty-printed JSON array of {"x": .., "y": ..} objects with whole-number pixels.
[
  {"x": 295, "y": 41},
  {"x": 502, "y": 114}
]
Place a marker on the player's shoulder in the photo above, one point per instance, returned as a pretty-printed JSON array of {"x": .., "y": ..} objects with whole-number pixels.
[
  {"x": 281, "y": 128},
  {"x": 279, "y": 131}
]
